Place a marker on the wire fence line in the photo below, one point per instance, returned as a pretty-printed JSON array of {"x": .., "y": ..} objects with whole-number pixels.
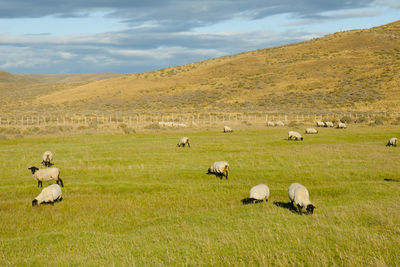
[{"x": 142, "y": 119}]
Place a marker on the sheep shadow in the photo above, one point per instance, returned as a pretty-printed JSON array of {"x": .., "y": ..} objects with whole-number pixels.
[
  {"x": 286, "y": 205},
  {"x": 391, "y": 180}
]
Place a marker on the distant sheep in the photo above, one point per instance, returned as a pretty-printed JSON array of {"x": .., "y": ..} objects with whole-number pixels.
[
  {"x": 311, "y": 131},
  {"x": 298, "y": 194},
  {"x": 329, "y": 124},
  {"x": 184, "y": 141},
  {"x": 321, "y": 124},
  {"x": 392, "y": 142},
  {"x": 292, "y": 135},
  {"x": 227, "y": 129},
  {"x": 341, "y": 125},
  {"x": 49, "y": 195},
  {"x": 46, "y": 175},
  {"x": 219, "y": 169},
  {"x": 280, "y": 123},
  {"x": 47, "y": 158},
  {"x": 258, "y": 194},
  {"x": 270, "y": 124},
  {"x": 172, "y": 124}
]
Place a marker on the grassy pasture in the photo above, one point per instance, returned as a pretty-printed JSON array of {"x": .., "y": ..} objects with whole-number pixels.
[{"x": 140, "y": 200}]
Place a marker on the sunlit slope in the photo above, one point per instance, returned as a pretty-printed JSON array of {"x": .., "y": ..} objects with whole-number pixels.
[{"x": 353, "y": 70}]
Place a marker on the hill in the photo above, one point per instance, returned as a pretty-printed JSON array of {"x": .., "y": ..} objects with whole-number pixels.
[{"x": 356, "y": 70}]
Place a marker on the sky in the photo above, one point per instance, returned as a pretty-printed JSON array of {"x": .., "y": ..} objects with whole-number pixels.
[{"x": 129, "y": 36}]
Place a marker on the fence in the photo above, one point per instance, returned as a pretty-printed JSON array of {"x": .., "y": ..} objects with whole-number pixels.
[{"x": 143, "y": 119}]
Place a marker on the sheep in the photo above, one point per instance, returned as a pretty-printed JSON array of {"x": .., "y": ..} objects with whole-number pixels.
[
  {"x": 219, "y": 169},
  {"x": 46, "y": 175},
  {"x": 258, "y": 194},
  {"x": 270, "y": 123},
  {"x": 184, "y": 141},
  {"x": 280, "y": 123},
  {"x": 49, "y": 195},
  {"x": 299, "y": 194},
  {"x": 321, "y": 124},
  {"x": 392, "y": 142},
  {"x": 341, "y": 125},
  {"x": 329, "y": 124},
  {"x": 292, "y": 135},
  {"x": 311, "y": 131},
  {"x": 227, "y": 129},
  {"x": 47, "y": 158}
]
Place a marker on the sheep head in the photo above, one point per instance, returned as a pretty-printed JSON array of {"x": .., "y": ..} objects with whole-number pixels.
[{"x": 33, "y": 169}]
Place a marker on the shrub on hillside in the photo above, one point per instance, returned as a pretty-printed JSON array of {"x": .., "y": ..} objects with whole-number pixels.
[
  {"x": 153, "y": 126},
  {"x": 346, "y": 119},
  {"x": 361, "y": 120}
]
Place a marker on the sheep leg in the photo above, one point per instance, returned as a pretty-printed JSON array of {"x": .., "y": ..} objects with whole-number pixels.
[
  {"x": 226, "y": 175},
  {"x": 61, "y": 182},
  {"x": 300, "y": 209},
  {"x": 188, "y": 144},
  {"x": 38, "y": 183}
]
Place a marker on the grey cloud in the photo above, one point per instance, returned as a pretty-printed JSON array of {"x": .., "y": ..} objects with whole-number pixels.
[{"x": 125, "y": 52}]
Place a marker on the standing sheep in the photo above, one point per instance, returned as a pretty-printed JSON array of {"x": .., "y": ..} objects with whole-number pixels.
[
  {"x": 184, "y": 141},
  {"x": 311, "y": 131},
  {"x": 49, "y": 195},
  {"x": 47, "y": 158},
  {"x": 299, "y": 194},
  {"x": 257, "y": 194},
  {"x": 280, "y": 123},
  {"x": 392, "y": 142},
  {"x": 46, "y": 175},
  {"x": 270, "y": 124},
  {"x": 227, "y": 129},
  {"x": 292, "y": 135},
  {"x": 321, "y": 124},
  {"x": 341, "y": 125},
  {"x": 329, "y": 124},
  {"x": 219, "y": 169}
]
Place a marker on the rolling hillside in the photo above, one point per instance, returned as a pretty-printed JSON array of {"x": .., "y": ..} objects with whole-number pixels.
[{"x": 356, "y": 70}]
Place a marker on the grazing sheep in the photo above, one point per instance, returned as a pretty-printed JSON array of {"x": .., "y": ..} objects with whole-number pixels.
[
  {"x": 299, "y": 194},
  {"x": 329, "y": 124},
  {"x": 49, "y": 195},
  {"x": 392, "y": 142},
  {"x": 46, "y": 175},
  {"x": 280, "y": 123},
  {"x": 257, "y": 194},
  {"x": 270, "y": 124},
  {"x": 311, "y": 131},
  {"x": 227, "y": 129},
  {"x": 47, "y": 158},
  {"x": 219, "y": 169},
  {"x": 321, "y": 124},
  {"x": 341, "y": 125},
  {"x": 184, "y": 141},
  {"x": 292, "y": 135}
]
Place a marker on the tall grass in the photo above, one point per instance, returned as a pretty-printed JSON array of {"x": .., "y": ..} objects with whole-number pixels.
[{"x": 140, "y": 200}]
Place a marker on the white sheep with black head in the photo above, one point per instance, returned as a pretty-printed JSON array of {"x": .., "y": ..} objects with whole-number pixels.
[
  {"x": 184, "y": 141},
  {"x": 47, "y": 158},
  {"x": 46, "y": 175},
  {"x": 219, "y": 169},
  {"x": 49, "y": 195},
  {"x": 298, "y": 194},
  {"x": 257, "y": 194}
]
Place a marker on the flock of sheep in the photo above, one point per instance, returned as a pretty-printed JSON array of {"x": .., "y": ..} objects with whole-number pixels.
[
  {"x": 298, "y": 194},
  {"x": 52, "y": 193}
]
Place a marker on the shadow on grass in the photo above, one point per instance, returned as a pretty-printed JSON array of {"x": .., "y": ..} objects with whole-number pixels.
[
  {"x": 391, "y": 180},
  {"x": 286, "y": 205}
]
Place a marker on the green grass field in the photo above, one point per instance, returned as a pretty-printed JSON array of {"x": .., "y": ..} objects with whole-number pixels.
[{"x": 140, "y": 200}]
